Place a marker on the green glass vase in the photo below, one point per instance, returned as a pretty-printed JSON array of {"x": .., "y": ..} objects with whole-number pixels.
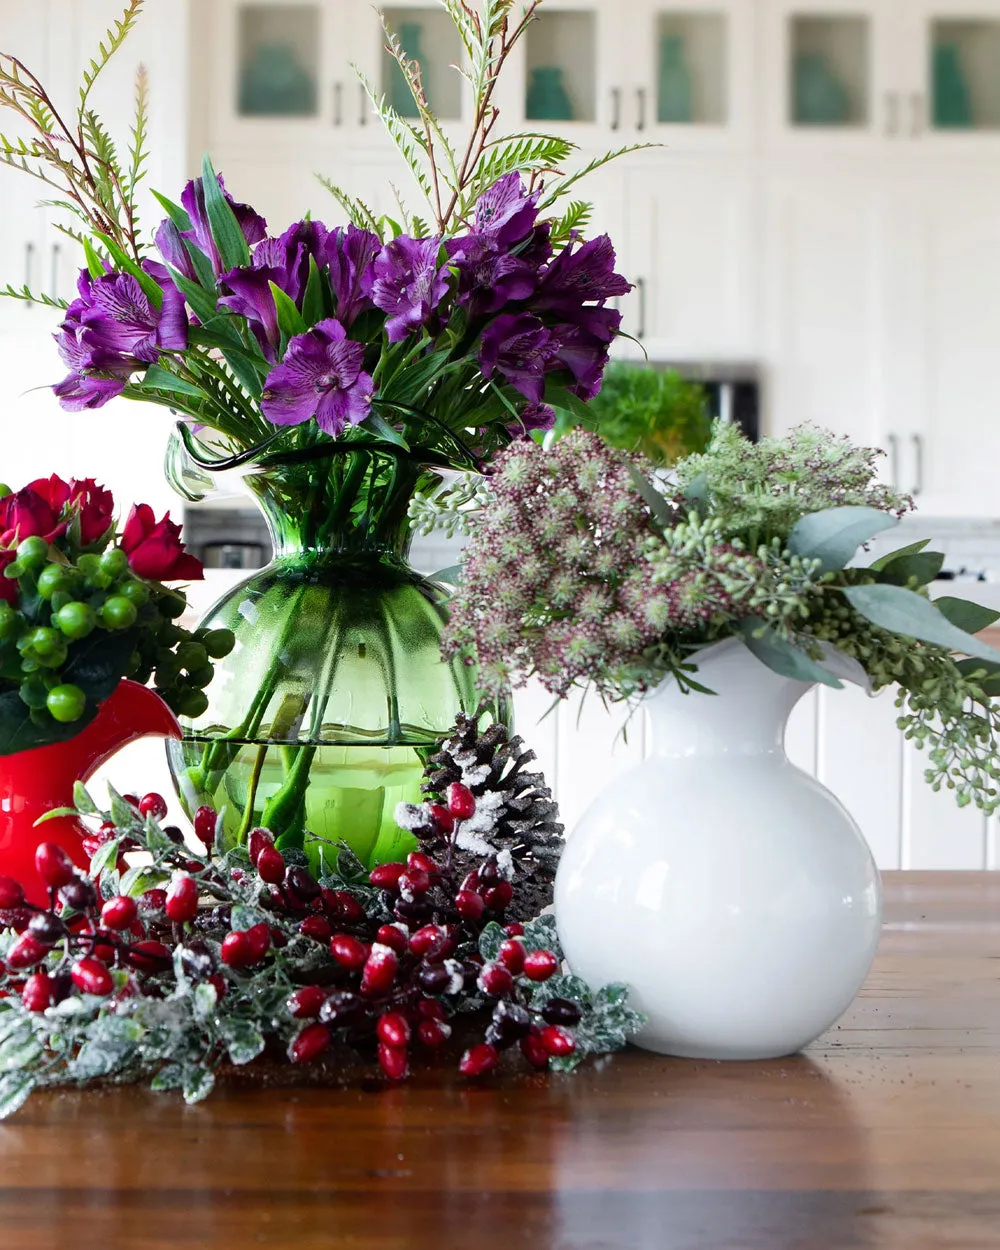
[{"x": 322, "y": 717}]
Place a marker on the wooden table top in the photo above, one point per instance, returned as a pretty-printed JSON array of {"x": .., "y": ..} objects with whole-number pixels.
[{"x": 886, "y": 1133}]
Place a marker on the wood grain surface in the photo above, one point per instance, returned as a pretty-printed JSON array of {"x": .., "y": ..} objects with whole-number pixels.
[{"x": 886, "y": 1133}]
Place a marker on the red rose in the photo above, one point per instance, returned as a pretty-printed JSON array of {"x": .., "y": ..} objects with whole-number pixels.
[
  {"x": 8, "y": 586},
  {"x": 27, "y": 514},
  {"x": 155, "y": 550},
  {"x": 92, "y": 503}
]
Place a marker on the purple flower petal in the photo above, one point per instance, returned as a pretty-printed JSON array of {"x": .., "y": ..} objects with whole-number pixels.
[
  {"x": 320, "y": 376},
  {"x": 409, "y": 285}
]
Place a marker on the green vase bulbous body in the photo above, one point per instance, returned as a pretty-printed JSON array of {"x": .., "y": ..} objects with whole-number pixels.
[{"x": 322, "y": 717}]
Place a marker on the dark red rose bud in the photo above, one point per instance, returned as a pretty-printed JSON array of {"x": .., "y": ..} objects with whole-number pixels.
[
  {"x": 498, "y": 897},
  {"x": 349, "y": 952},
  {"x": 309, "y": 1044},
  {"x": 461, "y": 801},
  {"x": 256, "y": 842},
  {"x": 393, "y": 937},
  {"x": 511, "y": 955},
  {"x": 271, "y": 865},
  {"x": 429, "y": 943},
  {"x": 205, "y": 821},
  {"x": 259, "y": 937},
  {"x": 534, "y": 1051},
  {"x": 53, "y": 864},
  {"x": 479, "y": 1060},
  {"x": 469, "y": 905},
  {"x": 342, "y": 906},
  {"x": 495, "y": 980},
  {"x": 91, "y": 976},
  {"x": 304, "y": 1003},
  {"x": 379, "y": 971},
  {"x": 393, "y": 1029},
  {"x": 433, "y": 1033},
  {"x": 393, "y": 1061},
  {"x": 557, "y": 1041},
  {"x": 417, "y": 859},
  {"x": 149, "y": 956},
  {"x": 386, "y": 876},
  {"x": 154, "y": 805},
  {"x": 441, "y": 817},
  {"x": 540, "y": 965},
  {"x": 317, "y": 928},
  {"x": 182, "y": 898},
  {"x": 237, "y": 950},
  {"x": 38, "y": 992},
  {"x": 11, "y": 894},
  {"x": 25, "y": 951}
]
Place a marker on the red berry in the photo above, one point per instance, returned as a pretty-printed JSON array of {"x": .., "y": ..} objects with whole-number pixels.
[
  {"x": 309, "y": 1044},
  {"x": 511, "y": 955},
  {"x": 516, "y": 929},
  {"x": 154, "y": 805},
  {"x": 105, "y": 952},
  {"x": 557, "y": 1041},
  {"x": 392, "y": 936},
  {"x": 469, "y": 905},
  {"x": 259, "y": 937},
  {"x": 386, "y": 876},
  {"x": 343, "y": 906},
  {"x": 393, "y": 1029},
  {"x": 304, "y": 1003},
  {"x": 237, "y": 952},
  {"x": 149, "y": 956},
  {"x": 534, "y": 1051},
  {"x": 38, "y": 992},
  {"x": 271, "y": 865},
  {"x": 441, "y": 817},
  {"x": 91, "y": 976},
  {"x": 414, "y": 884},
  {"x": 317, "y": 928},
  {"x": 540, "y": 965},
  {"x": 393, "y": 1060},
  {"x": 429, "y": 942},
  {"x": 380, "y": 971},
  {"x": 461, "y": 801},
  {"x": 91, "y": 846},
  {"x": 24, "y": 952},
  {"x": 431, "y": 1009},
  {"x": 119, "y": 912},
  {"x": 218, "y": 982},
  {"x": 349, "y": 952},
  {"x": 152, "y": 902},
  {"x": 495, "y": 980},
  {"x": 498, "y": 897},
  {"x": 417, "y": 859},
  {"x": 433, "y": 1033},
  {"x": 205, "y": 821},
  {"x": 11, "y": 894},
  {"x": 257, "y": 841},
  {"x": 54, "y": 866},
  {"x": 479, "y": 1060},
  {"x": 182, "y": 898},
  {"x": 132, "y": 800}
]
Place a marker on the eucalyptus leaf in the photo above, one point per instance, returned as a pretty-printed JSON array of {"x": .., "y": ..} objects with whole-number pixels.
[
  {"x": 969, "y": 616},
  {"x": 904, "y": 612},
  {"x": 913, "y": 549},
  {"x": 920, "y": 567},
  {"x": 783, "y": 658},
  {"x": 834, "y": 535}
]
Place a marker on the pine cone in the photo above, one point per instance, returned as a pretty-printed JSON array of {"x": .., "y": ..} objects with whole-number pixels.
[{"x": 524, "y": 817}]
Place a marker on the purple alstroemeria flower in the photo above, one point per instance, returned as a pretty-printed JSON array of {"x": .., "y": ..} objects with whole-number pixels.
[
  {"x": 408, "y": 285},
  {"x": 321, "y": 377},
  {"x": 350, "y": 255},
  {"x": 585, "y": 355},
  {"x": 170, "y": 244},
  {"x": 254, "y": 226},
  {"x": 489, "y": 280},
  {"x": 505, "y": 213},
  {"x": 521, "y": 349},
  {"x": 533, "y": 417},
  {"x": 580, "y": 275}
]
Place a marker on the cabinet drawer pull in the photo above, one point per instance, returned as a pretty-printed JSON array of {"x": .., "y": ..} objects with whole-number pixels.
[
  {"x": 640, "y": 97},
  {"x": 56, "y": 257},
  {"x": 893, "y": 441},
  {"x": 29, "y": 265},
  {"x": 338, "y": 104},
  {"x": 916, "y": 119},
  {"x": 641, "y": 287},
  {"x": 616, "y": 108},
  {"x": 892, "y": 114},
  {"x": 918, "y": 460},
  {"x": 363, "y": 115}
]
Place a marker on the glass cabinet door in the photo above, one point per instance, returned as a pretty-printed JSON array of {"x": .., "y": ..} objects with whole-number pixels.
[{"x": 959, "y": 48}]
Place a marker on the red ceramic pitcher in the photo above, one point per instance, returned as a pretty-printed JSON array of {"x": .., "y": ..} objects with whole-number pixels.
[{"x": 36, "y": 781}]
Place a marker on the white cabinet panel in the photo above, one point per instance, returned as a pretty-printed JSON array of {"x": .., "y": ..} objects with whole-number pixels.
[
  {"x": 594, "y": 746},
  {"x": 937, "y": 834}
]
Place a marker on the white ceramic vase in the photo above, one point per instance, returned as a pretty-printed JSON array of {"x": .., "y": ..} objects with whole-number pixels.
[{"x": 730, "y": 889}]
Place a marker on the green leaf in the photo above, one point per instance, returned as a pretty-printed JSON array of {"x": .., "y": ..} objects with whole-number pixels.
[
  {"x": 95, "y": 266},
  {"x": 912, "y": 550},
  {"x": 451, "y": 576},
  {"x": 85, "y": 805},
  {"x": 560, "y": 397},
  {"x": 14, "y": 1092},
  {"x": 150, "y": 287},
  {"x": 159, "y": 379},
  {"x": 204, "y": 304},
  {"x": 123, "y": 814},
  {"x": 313, "y": 304},
  {"x": 902, "y": 611},
  {"x": 18, "y": 732},
  {"x": 490, "y": 940},
  {"x": 834, "y": 535},
  {"x": 197, "y": 1083},
  {"x": 985, "y": 673},
  {"x": 783, "y": 658},
  {"x": 290, "y": 321},
  {"x": 174, "y": 211},
  {"x": 244, "y": 1041},
  {"x": 105, "y": 856},
  {"x": 57, "y": 813},
  {"x": 922, "y": 567},
  {"x": 697, "y": 494},
  {"x": 170, "y": 1076},
  {"x": 969, "y": 616},
  {"x": 19, "y": 1050},
  {"x": 385, "y": 430},
  {"x": 229, "y": 238},
  {"x": 661, "y": 511}
]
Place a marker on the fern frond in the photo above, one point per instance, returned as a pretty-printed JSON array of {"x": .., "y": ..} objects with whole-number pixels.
[
  {"x": 115, "y": 37},
  {"x": 138, "y": 152},
  {"x": 576, "y": 217},
  {"x": 564, "y": 184},
  {"x": 410, "y": 143},
  {"x": 109, "y": 176},
  {"x": 358, "y": 212},
  {"x": 525, "y": 154},
  {"x": 28, "y": 297}
]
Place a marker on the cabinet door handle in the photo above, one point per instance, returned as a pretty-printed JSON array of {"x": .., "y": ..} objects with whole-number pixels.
[
  {"x": 641, "y": 287},
  {"x": 918, "y": 460},
  {"x": 363, "y": 115},
  {"x": 892, "y": 114},
  {"x": 893, "y": 441},
  {"x": 916, "y": 119},
  {"x": 29, "y": 265},
  {"x": 56, "y": 257},
  {"x": 338, "y": 104},
  {"x": 616, "y": 108},
  {"x": 640, "y": 97}
]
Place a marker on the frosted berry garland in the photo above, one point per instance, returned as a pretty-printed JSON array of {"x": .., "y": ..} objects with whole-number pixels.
[{"x": 172, "y": 967}]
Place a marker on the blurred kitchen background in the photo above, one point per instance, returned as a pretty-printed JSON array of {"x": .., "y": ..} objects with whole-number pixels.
[{"x": 817, "y": 238}]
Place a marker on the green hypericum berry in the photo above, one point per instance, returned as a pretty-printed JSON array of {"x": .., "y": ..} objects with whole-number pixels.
[
  {"x": 88, "y": 564},
  {"x": 76, "y": 620},
  {"x": 42, "y": 643},
  {"x": 10, "y": 621},
  {"x": 172, "y": 606},
  {"x": 33, "y": 553},
  {"x": 51, "y": 580},
  {"x": 201, "y": 676},
  {"x": 219, "y": 642},
  {"x": 114, "y": 562},
  {"x": 191, "y": 655},
  {"x": 34, "y": 693},
  {"x": 4, "y": 490},
  {"x": 118, "y": 613},
  {"x": 66, "y": 703},
  {"x": 135, "y": 592},
  {"x": 191, "y": 703}
]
